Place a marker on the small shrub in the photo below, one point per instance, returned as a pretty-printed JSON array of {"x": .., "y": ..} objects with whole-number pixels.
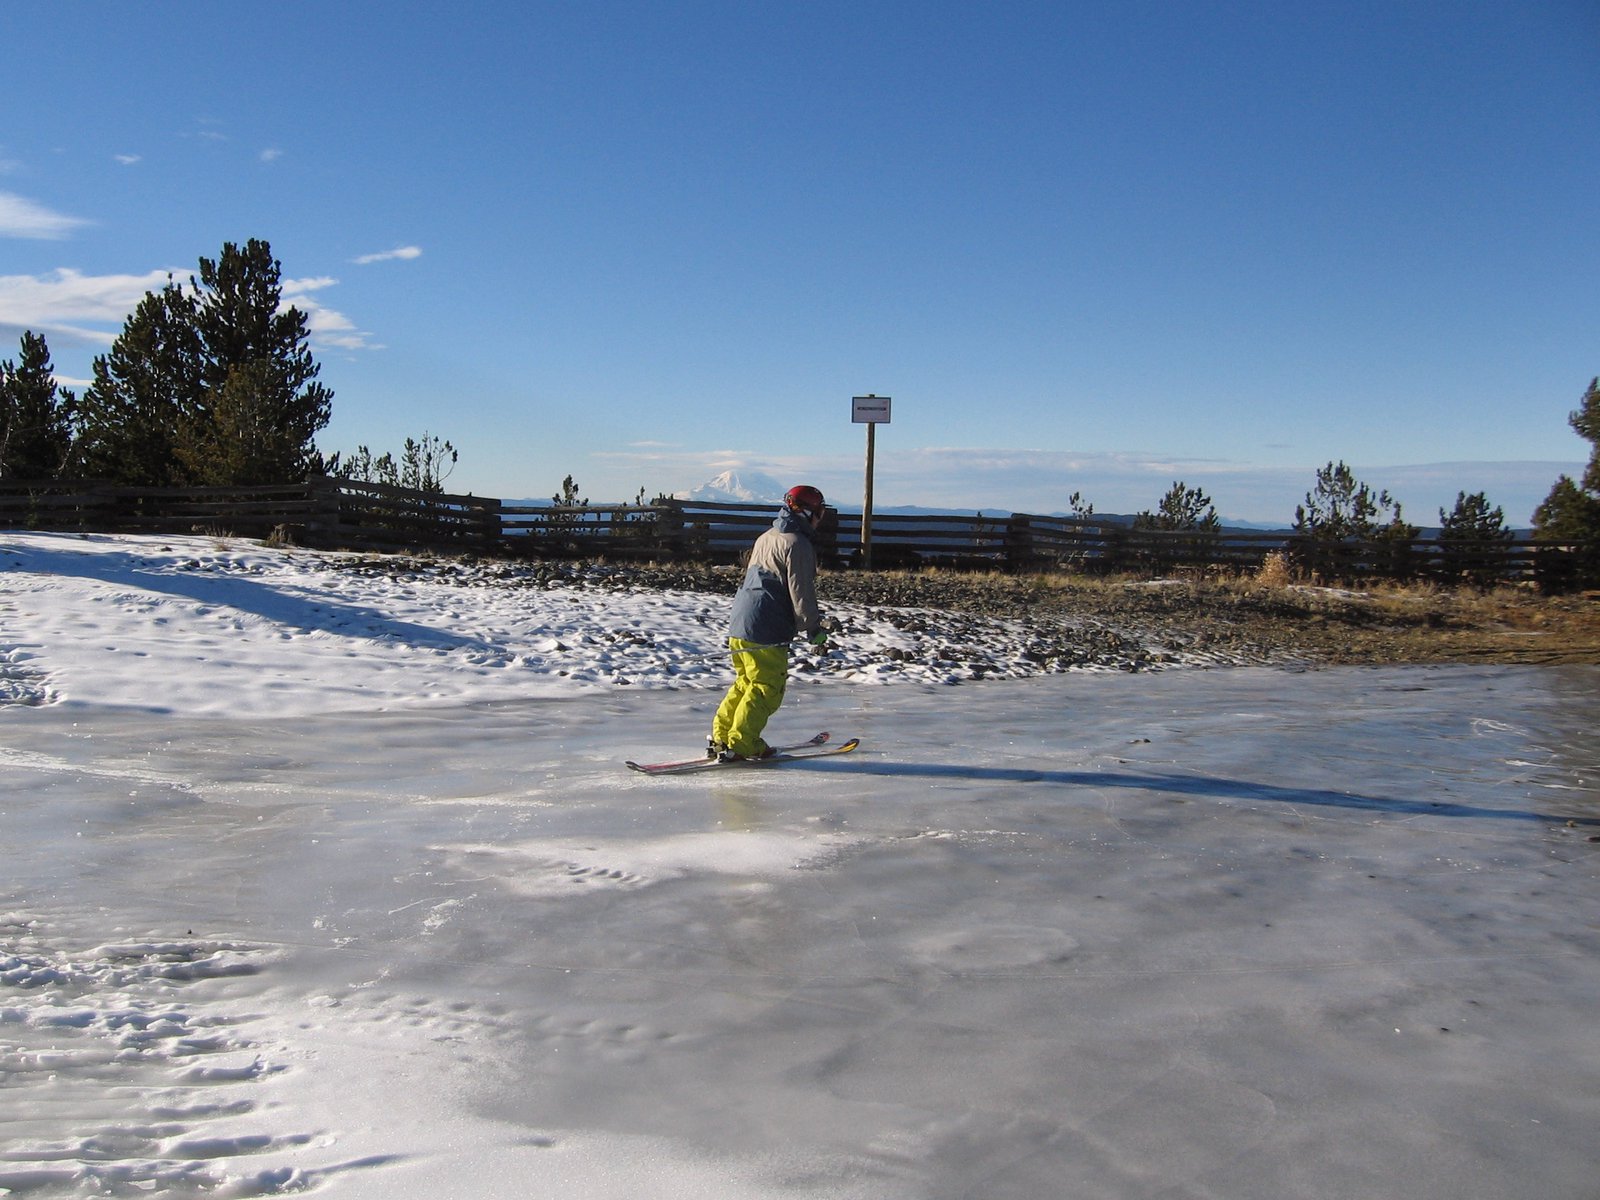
[{"x": 1274, "y": 571}]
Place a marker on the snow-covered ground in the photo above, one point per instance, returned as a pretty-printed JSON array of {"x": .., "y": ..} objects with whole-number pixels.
[
  {"x": 236, "y": 629},
  {"x": 329, "y": 880}
]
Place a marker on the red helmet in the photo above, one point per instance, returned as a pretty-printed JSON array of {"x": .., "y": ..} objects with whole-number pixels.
[{"x": 804, "y": 499}]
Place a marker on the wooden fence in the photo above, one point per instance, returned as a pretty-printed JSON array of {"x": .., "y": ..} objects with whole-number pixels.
[{"x": 343, "y": 514}]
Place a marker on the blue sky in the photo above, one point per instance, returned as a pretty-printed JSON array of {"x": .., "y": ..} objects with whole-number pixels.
[{"x": 1085, "y": 247}]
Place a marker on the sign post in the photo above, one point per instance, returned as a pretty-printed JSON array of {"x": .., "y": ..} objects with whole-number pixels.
[{"x": 870, "y": 411}]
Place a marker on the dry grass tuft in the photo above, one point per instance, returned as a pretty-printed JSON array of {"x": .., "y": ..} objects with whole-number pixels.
[{"x": 1275, "y": 572}]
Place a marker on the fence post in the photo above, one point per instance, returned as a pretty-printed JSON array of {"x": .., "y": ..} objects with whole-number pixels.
[
  {"x": 670, "y": 534},
  {"x": 1017, "y": 550},
  {"x": 322, "y": 522}
]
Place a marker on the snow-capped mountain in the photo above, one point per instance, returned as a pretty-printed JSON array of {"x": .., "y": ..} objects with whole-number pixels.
[{"x": 737, "y": 487}]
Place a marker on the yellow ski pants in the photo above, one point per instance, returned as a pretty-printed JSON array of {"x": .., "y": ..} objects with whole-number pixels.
[{"x": 759, "y": 675}]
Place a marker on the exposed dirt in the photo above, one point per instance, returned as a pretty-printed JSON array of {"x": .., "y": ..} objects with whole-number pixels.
[
  {"x": 1070, "y": 620},
  {"x": 1317, "y": 624},
  {"x": 1237, "y": 618}
]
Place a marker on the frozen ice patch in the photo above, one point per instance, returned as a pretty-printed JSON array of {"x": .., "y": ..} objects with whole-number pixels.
[
  {"x": 541, "y": 868},
  {"x": 985, "y": 948}
]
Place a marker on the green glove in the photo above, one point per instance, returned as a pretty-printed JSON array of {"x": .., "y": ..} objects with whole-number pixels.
[{"x": 819, "y": 639}]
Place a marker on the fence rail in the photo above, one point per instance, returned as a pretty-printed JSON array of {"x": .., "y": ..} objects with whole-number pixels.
[{"x": 346, "y": 514}]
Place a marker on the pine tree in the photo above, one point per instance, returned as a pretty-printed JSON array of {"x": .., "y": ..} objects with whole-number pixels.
[
  {"x": 1182, "y": 509},
  {"x": 1342, "y": 507},
  {"x": 1568, "y": 514},
  {"x": 128, "y": 421},
  {"x": 1571, "y": 512},
  {"x": 423, "y": 463},
  {"x": 563, "y": 526},
  {"x": 257, "y": 376},
  {"x": 241, "y": 443},
  {"x": 212, "y": 384},
  {"x": 1585, "y": 421},
  {"x": 35, "y": 416},
  {"x": 1471, "y": 536},
  {"x": 1342, "y": 510},
  {"x": 568, "y": 497},
  {"x": 423, "y": 466},
  {"x": 1473, "y": 522}
]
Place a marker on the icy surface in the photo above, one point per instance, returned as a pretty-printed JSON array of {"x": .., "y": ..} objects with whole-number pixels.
[{"x": 1224, "y": 934}]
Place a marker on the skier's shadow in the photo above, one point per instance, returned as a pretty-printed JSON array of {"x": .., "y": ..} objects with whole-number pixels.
[{"x": 1195, "y": 785}]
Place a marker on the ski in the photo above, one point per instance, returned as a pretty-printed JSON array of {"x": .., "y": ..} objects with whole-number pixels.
[
  {"x": 796, "y": 754},
  {"x": 811, "y": 748},
  {"x": 662, "y": 768}
]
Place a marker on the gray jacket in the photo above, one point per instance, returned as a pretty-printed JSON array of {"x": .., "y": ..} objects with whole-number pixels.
[{"x": 778, "y": 597}]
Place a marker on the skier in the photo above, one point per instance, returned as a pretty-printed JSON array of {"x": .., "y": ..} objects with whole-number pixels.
[{"x": 776, "y": 601}]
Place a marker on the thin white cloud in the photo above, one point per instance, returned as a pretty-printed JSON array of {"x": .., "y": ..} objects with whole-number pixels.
[
  {"x": 208, "y": 130},
  {"x": 270, "y": 155},
  {"x": 128, "y": 160},
  {"x": 22, "y": 218},
  {"x": 69, "y": 303},
  {"x": 312, "y": 283},
  {"x": 328, "y": 326},
  {"x": 70, "y": 306},
  {"x": 400, "y": 252}
]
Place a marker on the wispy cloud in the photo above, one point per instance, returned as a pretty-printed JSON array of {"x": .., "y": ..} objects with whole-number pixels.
[
  {"x": 23, "y": 218},
  {"x": 312, "y": 283},
  {"x": 270, "y": 155},
  {"x": 399, "y": 252},
  {"x": 68, "y": 306},
  {"x": 208, "y": 130},
  {"x": 328, "y": 326},
  {"x": 76, "y": 307},
  {"x": 127, "y": 160}
]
